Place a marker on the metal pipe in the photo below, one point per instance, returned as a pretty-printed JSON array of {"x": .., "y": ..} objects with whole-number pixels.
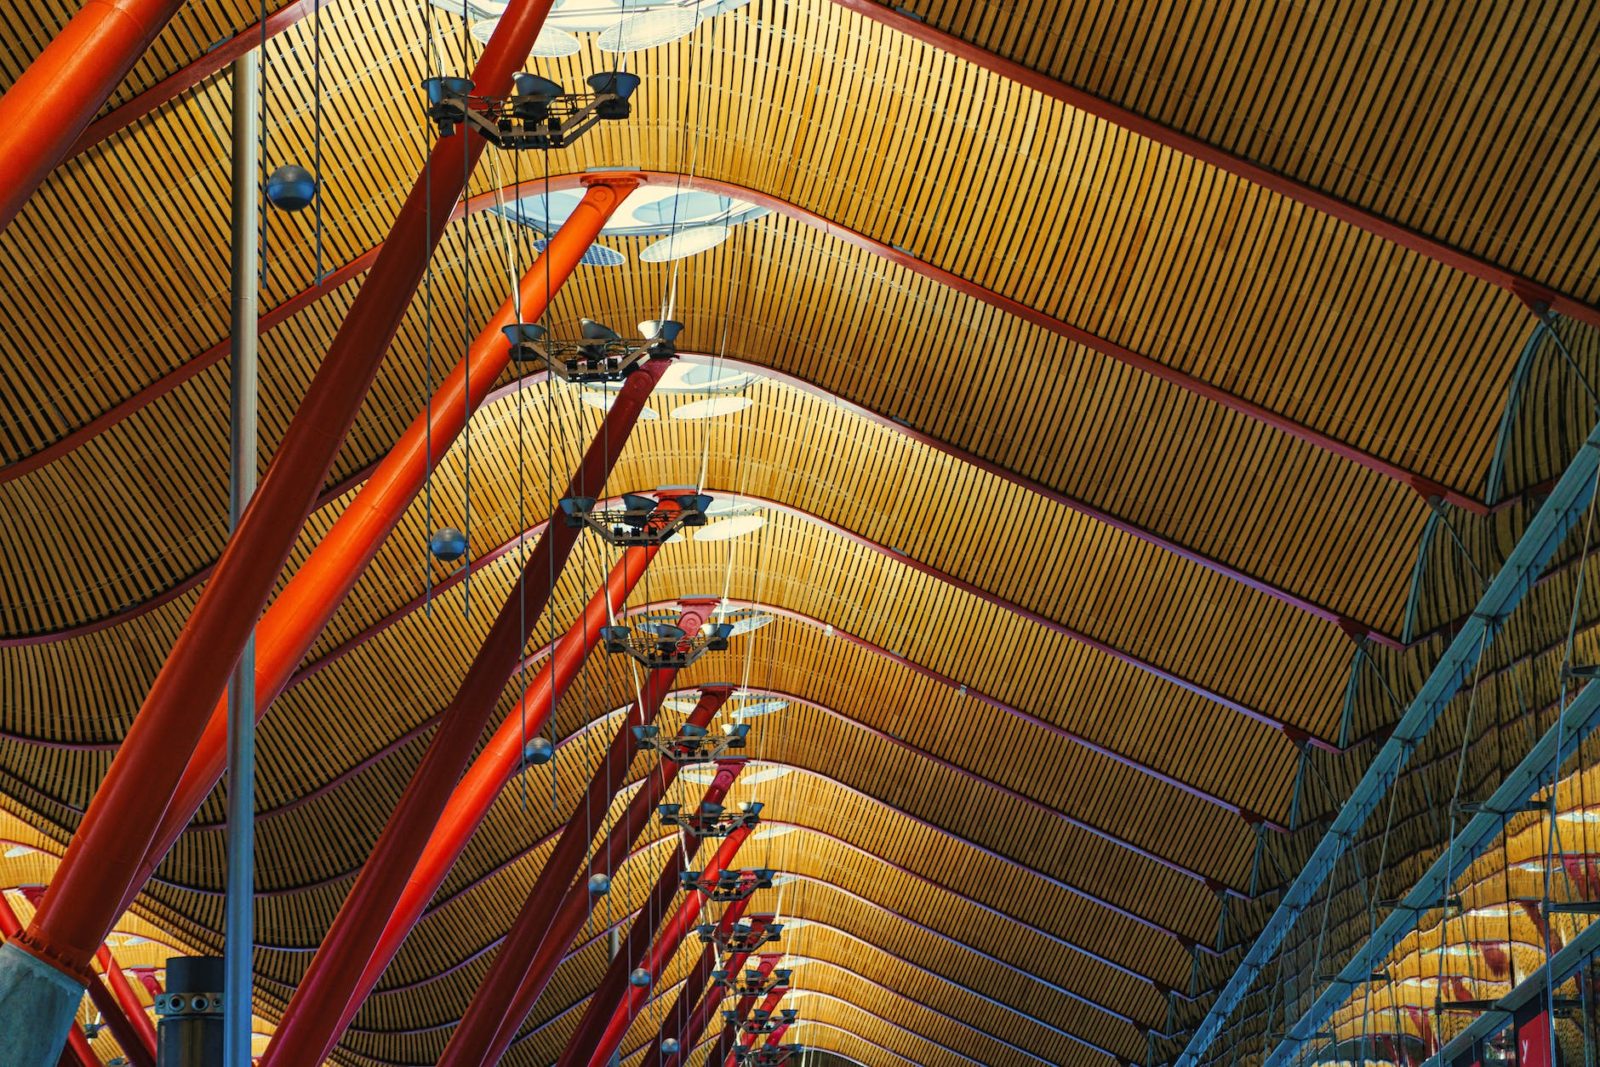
[
  {"x": 299, "y": 614},
  {"x": 555, "y": 908},
  {"x": 305, "y": 1034},
  {"x": 476, "y": 792},
  {"x": 654, "y": 962},
  {"x": 106, "y": 853},
  {"x": 239, "y": 908}
]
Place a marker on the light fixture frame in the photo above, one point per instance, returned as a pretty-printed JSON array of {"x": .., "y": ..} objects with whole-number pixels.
[{"x": 640, "y": 521}]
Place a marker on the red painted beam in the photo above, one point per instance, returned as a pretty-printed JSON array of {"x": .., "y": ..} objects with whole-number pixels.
[
  {"x": 79, "y": 1053},
  {"x": 499, "y": 761},
  {"x": 120, "y": 1023},
  {"x": 580, "y": 1052},
  {"x": 556, "y": 907},
  {"x": 613, "y": 986},
  {"x": 299, "y": 614},
  {"x": 1535, "y": 1036},
  {"x": 303, "y": 1034},
  {"x": 108, "y": 850},
  {"x": 126, "y": 996}
]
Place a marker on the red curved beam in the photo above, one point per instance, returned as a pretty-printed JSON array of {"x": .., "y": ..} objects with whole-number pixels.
[{"x": 487, "y": 199}]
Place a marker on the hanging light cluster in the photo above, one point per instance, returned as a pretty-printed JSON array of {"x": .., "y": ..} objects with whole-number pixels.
[
  {"x": 728, "y": 885},
  {"x": 640, "y": 520},
  {"x": 540, "y": 115},
  {"x": 762, "y": 1022},
  {"x": 710, "y": 819},
  {"x": 753, "y": 983},
  {"x": 601, "y": 355},
  {"x": 766, "y": 1055},
  {"x": 746, "y": 935},
  {"x": 693, "y": 744}
]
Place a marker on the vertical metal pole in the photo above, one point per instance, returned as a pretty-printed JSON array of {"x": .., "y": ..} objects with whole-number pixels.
[
  {"x": 616, "y": 950},
  {"x": 239, "y": 916}
]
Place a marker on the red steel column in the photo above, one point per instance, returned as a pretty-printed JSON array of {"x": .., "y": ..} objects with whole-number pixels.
[
  {"x": 686, "y": 1007},
  {"x": 109, "y": 847},
  {"x": 555, "y": 908},
  {"x": 121, "y": 1026},
  {"x": 298, "y": 614},
  {"x": 128, "y": 998},
  {"x": 614, "y": 985},
  {"x": 623, "y": 1014},
  {"x": 303, "y": 1035},
  {"x": 478, "y": 788}
]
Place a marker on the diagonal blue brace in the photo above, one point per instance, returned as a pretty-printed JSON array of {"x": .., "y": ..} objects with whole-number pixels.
[
  {"x": 1577, "y": 720},
  {"x": 1526, "y": 562}
]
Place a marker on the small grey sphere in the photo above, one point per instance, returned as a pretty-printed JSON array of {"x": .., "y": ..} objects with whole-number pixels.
[
  {"x": 640, "y": 978},
  {"x": 599, "y": 884},
  {"x": 539, "y": 751},
  {"x": 670, "y": 1046},
  {"x": 448, "y": 544},
  {"x": 291, "y": 188}
]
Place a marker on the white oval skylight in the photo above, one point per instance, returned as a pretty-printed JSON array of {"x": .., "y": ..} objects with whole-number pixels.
[
  {"x": 684, "y": 243},
  {"x": 728, "y": 529},
  {"x": 604, "y": 401},
  {"x": 647, "y": 30},
  {"x": 711, "y": 407}
]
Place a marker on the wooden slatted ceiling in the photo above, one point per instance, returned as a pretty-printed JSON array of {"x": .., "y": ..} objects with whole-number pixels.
[
  {"x": 1283, "y": 510},
  {"x": 1470, "y": 122},
  {"x": 1117, "y": 244}
]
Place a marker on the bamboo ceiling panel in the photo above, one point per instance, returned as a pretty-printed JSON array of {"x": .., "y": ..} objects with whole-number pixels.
[
  {"x": 1472, "y": 122},
  {"x": 1117, "y": 243}
]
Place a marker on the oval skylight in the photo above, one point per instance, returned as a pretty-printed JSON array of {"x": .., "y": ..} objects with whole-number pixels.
[
  {"x": 754, "y": 773},
  {"x": 711, "y": 407},
  {"x": 684, "y": 243},
  {"x": 767, "y": 832},
  {"x": 728, "y": 529},
  {"x": 647, "y": 30},
  {"x": 683, "y": 209},
  {"x": 604, "y": 401},
  {"x": 756, "y": 709}
]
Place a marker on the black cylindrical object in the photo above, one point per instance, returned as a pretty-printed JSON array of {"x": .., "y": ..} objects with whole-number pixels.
[{"x": 189, "y": 1033}]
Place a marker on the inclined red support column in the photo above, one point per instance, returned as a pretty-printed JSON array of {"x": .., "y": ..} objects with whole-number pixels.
[
  {"x": 304, "y": 1035},
  {"x": 614, "y": 985},
  {"x": 500, "y": 759},
  {"x": 120, "y": 1024},
  {"x": 298, "y": 614},
  {"x": 126, "y": 996},
  {"x": 581, "y": 1051},
  {"x": 109, "y": 847},
  {"x": 555, "y": 908},
  {"x": 1534, "y": 1037},
  {"x": 686, "y": 1007},
  {"x": 704, "y": 1012}
]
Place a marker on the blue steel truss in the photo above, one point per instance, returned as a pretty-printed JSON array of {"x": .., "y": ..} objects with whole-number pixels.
[{"x": 1526, "y": 562}]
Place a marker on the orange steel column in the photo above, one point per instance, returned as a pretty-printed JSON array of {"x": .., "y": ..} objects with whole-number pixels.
[
  {"x": 299, "y": 614},
  {"x": 561, "y": 934},
  {"x": 597, "y": 1053},
  {"x": 45, "y": 110},
  {"x": 132, "y": 1006},
  {"x": 482, "y": 783},
  {"x": 109, "y": 847},
  {"x": 304, "y": 1034}
]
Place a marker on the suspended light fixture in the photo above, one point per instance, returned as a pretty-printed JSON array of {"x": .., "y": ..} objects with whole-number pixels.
[
  {"x": 539, "y": 115},
  {"x": 599, "y": 355},
  {"x": 711, "y": 819},
  {"x": 727, "y": 885},
  {"x": 744, "y": 936},
  {"x": 687, "y": 242},
  {"x": 640, "y": 520},
  {"x": 448, "y": 544},
  {"x": 538, "y": 751},
  {"x": 693, "y": 744},
  {"x": 753, "y": 983},
  {"x": 291, "y": 188},
  {"x": 664, "y": 646}
]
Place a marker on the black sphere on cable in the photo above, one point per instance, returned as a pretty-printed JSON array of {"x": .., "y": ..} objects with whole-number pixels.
[{"x": 291, "y": 188}]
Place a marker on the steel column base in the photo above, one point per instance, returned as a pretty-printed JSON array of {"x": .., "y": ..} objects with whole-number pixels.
[{"x": 37, "y": 1006}]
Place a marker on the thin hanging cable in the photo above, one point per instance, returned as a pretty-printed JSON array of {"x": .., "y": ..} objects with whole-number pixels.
[
  {"x": 427, "y": 337},
  {"x": 316, "y": 122},
  {"x": 466, "y": 327}
]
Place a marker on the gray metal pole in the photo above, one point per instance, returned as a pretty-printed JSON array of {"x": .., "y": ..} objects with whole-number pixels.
[{"x": 239, "y": 917}]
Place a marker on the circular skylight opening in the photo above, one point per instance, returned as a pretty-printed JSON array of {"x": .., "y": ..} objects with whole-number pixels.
[
  {"x": 711, "y": 407},
  {"x": 683, "y": 209},
  {"x": 553, "y": 43},
  {"x": 768, "y": 832},
  {"x": 728, "y": 529},
  {"x": 604, "y": 401},
  {"x": 684, "y": 243},
  {"x": 647, "y": 30}
]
